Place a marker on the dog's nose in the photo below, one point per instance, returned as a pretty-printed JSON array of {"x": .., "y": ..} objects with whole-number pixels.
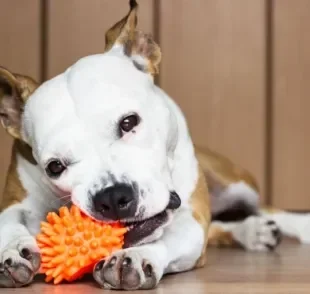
[{"x": 116, "y": 202}]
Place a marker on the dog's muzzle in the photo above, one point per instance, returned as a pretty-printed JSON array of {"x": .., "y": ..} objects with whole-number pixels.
[{"x": 120, "y": 202}]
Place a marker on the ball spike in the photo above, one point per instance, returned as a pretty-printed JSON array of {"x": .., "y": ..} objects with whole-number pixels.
[{"x": 72, "y": 243}]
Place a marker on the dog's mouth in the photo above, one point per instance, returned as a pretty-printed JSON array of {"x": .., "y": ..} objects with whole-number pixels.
[
  {"x": 147, "y": 230},
  {"x": 140, "y": 231}
]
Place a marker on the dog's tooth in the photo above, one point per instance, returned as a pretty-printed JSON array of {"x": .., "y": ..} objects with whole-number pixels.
[{"x": 129, "y": 228}]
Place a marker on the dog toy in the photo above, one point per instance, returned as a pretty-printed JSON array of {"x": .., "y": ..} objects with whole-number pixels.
[{"x": 71, "y": 244}]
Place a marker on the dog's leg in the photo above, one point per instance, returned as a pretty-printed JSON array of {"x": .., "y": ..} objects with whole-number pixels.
[
  {"x": 219, "y": 237},
  {"x": 19, "y": 253},
  {"x": 292, "y": 224},
  {"x": 142, "y": 267},
  {"x": 255, "y": 233}
]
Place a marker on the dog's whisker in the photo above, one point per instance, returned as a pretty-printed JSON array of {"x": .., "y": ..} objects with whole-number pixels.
[
  {"x": 67, "y": 203},
  {"x": 64, "y": 197},
  {"x": 60, "y": 199}
]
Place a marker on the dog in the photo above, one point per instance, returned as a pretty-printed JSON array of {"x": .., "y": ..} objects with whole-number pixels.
[{"x": 104, "y": 137}]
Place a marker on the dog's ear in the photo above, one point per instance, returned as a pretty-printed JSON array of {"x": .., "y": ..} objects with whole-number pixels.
[
  {"x": 14, "y": 92},
  {"x": 139, "y": 46},
  {"x": 115, "y": 31}
]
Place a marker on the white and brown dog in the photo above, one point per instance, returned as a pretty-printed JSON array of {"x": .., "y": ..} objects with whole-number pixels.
[{"x": 103, "y": 136}]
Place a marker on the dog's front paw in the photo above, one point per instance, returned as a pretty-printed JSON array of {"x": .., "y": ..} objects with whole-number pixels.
[
  {"x": 257, "y": 234},
  {"x": 128, "y": 269},
  {"x": 19, "y": 262}
]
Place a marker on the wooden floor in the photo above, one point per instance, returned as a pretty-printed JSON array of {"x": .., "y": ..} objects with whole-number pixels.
[{"x": 228, "y": 271}]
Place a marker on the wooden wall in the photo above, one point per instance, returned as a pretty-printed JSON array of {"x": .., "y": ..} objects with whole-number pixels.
[
  {"x": 76, "y": 28},
  {"x": 20, "y": 51},
  {"x": 214, "y": 66},
  {"x": 238, "y": 68},
  {"x": 291, "y": 104}
]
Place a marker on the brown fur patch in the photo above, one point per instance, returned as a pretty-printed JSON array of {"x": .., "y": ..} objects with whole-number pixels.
[
  {"x": 123, "y": 29},
  {"x": 134, "y": 42},
  {"x": 219, "y": 170},
  {"x": 144, "y": 46},
  {"x": 201, "y": 211},
  {"x": 25, "y": 151},
  {"x": 26, "y": 86},
  {"x": 14, "y": 92},
  {"x": 13, "y": 191},
  {"x": 218, "y": 237}
]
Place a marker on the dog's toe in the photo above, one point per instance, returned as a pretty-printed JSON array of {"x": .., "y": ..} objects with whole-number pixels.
[
  {"x": 15, "y": 273},
  {"x": 19, "y": 262},
  {"x": 126, "y": 270},
  {"x": 33, "y": 257},
  {"x": 150, "y": 276},
  {"x": 258, "y": 234}
]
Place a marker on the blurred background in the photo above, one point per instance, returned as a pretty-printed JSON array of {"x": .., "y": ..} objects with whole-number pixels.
[{"x": 240, "y": 70}]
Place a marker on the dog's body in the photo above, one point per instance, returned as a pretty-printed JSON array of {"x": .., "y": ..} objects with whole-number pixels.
[{"x": 102, "y": 131}]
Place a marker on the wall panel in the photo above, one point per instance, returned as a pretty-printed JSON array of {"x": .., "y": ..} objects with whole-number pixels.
[
  {"x": 76, "y": 28},
  {"x": 291, "y": 104},
  {"x": 19, "y": 51},
  {"x": 214, "y": 67}
]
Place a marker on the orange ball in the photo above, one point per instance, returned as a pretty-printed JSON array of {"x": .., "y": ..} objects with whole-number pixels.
[{"x": 72, "y": 243}]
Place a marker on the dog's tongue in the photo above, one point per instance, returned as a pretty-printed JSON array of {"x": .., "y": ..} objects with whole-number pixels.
[{"x": 140, "y": 230}]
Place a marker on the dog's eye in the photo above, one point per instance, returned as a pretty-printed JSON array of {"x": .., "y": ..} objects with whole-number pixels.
[
  {"x": 55, "y": 168},
  {"x": 128, "y": 123}
]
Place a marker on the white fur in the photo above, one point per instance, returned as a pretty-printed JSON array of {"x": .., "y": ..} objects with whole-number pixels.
[
  {"x": 255, "y": 233},
  {"x": 176, "y": 251},
  {"x": 292, "y": 224},
  {"x": 74, "y": 116},
  {"x": 79, "y": 111}
]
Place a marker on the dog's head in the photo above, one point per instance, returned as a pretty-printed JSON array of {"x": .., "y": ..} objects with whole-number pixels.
[{"x": 102, "y": 131}]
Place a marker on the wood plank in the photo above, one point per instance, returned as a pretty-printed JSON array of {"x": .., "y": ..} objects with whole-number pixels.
[
  {"x": 227, "y": 271},
  {"x": 291, "y": 104},
  {"x": 214, "y": 67},
  {"x": 19, "y": 51},
  {"x": 76, "y": 28}
]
